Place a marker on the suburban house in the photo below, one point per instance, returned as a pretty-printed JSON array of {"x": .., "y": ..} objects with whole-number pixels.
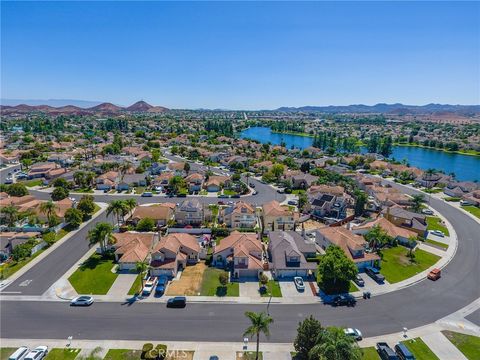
[
  {"x": 194, "y": 182},
  {"x": 472, "y": 198},
  {"x": 303, "y": 181},
  {"x": 406, "y": 219},
  {"x": 388, "y": 196},
  {"x": 242, "y": 253},
  {"x": 8, "y": 241},
  {"x": 190, "y": 212},
  {"x": 239, "y": 215},
  {"x": 31, "y": 204},
  {"x": 163, "y": 179},
  {"x": 215, "y": 183},
  {"x": 430, "y": 180},
  {"x": 133, "y": 247},
  {"x": 172, "y": 253},
  {"x": 160, "y": 213},
  {"x": 278, "y": 217},
  {"x": 287, "y": 253},
  {"x": 130, "y": 181},
  {"x": 43, "y": 170},
  {"x": 352, "y": 245},
  {"x": 107, "y": 181},
  {"x": 402, "y": 235},
  {"x": 178, "y": 168},
  {"x": 458, "y": 189}
]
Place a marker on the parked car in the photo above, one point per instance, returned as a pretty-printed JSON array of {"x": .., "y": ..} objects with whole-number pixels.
[
  {"x": 83, "y": 300},
  {"x": 437, "y": 233},
  {"x": 374, "y": 273},
  {"x": 38, "y": 353},
  {"x": 345, "y": 299},
  {"x": 149, "y": 285},
  {"x": 435, "y": 274},
  {"x": 354, "y": 333},
  {"x": 220, "y": 203},
  {"x": 147, "y": 194},
  {"x": 223, "y": 196},
  {"x": 403, "y": 352},
  {"x": 281, "y": 191},
  {"x": 252, "y": 185},
  {"x": 235, "y": 196},
  {"x": 177, "y": 302},
  {"x": 427, "y": 212},
  {"x": 386, "y": 352},
  {"x": 292, "y": 202},
  {"x": 255, "y": 192},
  {"x": 465, "y": 203},
  {"x": 161, "y": 284},
  {"x": 359, "y": 281},
  {"x": 299, "y": 283},
  {"x": 19, "y": 354},
  {"x": 9, "y": 180}
]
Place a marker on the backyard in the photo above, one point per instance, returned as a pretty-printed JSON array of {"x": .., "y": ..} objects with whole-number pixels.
[
  {"x": 94, "y": 276},
  {"x": 435, "y": 223},
  {"x": 397, "y": 266}
]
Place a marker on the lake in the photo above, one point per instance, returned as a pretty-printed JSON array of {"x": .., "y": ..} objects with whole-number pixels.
[{"x": 465, "y": 167}]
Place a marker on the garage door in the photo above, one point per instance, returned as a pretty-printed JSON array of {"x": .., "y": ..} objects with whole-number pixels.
[
  {"x": 248, "y": 273},
  {"x": 285, "y": 274}
]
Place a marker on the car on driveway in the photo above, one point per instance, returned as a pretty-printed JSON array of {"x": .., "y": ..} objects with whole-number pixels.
[
  {"x": 177, "y": 302},
  {"x": 427, "y": 212},
  {"x": 403, "y": 352},
  {"x": 345, "y": 299},
  {"x": 299, "y": 284},
  {"x": 359, "y": 281},
  {"x": 83, "y": 300},
  {"x": 374, "y": 273},
  {"x": 38, "y": 353},
  {"x": 293, "y": 202},
  {"x": 354, "y": 333},
  {"x": 161, "y": 285},
  {"x": 19, "y": 354},
  {"x": 437, "y": 233},
  {"x": 386, "y": 352},
  {"x": 149, "y": 285},
  {"x": 147, "y": 194}
]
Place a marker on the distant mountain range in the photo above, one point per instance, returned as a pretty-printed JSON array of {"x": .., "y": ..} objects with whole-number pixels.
[
  {"x": 50, "y": 102},
  {"x": 101, "y": 108},
  {"x": 382, "y": 108}
]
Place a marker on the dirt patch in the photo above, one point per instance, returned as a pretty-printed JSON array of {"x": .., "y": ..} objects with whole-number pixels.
[
  {"x": 313, "y": 225},
  {"x": 189, "y": 283}
]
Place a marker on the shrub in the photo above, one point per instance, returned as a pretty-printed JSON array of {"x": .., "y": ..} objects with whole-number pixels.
[
  {"x": 146, "y": 224},
  {"x": 223, "y": 278},
  {"x": 49, "y": 237},
  {"x": 147, "y": 347},
  {"x": 162, "y": 351}
]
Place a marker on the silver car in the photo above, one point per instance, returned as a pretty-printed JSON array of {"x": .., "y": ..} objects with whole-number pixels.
[
  {"x": 299, "y": 283},
  {"x": 355, "y": 333},
  {"x": 38, "y": 353},
  {"x": 82, "y": 301}
]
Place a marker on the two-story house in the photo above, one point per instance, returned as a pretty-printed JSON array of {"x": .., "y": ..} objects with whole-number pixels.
[
  {"x": 278, "y": 217},
  {"x": 194, "y": 182},
  {"x": 160, "y": 213},
  {"x": 107, "y": 181},
  {"x": 190, "y": 212},
  {"x": 133, "y": 247},
  {"x": 406, "y": 219},
  {"x": 239, "y": 215}
]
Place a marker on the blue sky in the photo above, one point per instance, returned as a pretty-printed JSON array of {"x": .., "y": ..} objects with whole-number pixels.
[{"x": 242, "y": 55}]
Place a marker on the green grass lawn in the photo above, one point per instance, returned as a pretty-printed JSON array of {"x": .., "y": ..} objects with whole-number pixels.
[
  {"x": 433, "y": 190},
  {"x": 229, "y": 192},
  {"x": 435, "y": 223},
  {"x": 472, "y": 210},
  {"x": 84, "y": 191},
  {"x": 437, "y": 243},
  {"x": 420, "y": 349},
  {"x": 62, "y": 354},
  {"x": 136, "y": 286},
  {"x": 211, "y": 285},
  {"x": 298, "y": 191},
  {"x": 353, "y": 287},
  {"x": 32, "y": 183},
  {"x": 123, "y": 354},
  {"x": 273, "y": 288},
  {"x": 11, "y": 268},
  {"x": 6, "y": 352},
  {"x": 97, "y": 207},
  {"x": 139, "y": 190},
  {"x": 452, "y": 199},
  {"x": 61, "y": 233},
  {"x": 94, "y": 276},
  {"x": 370, "y": 353},
  {"x": 469, "y": 345},
  {"x": 396, "y": 266}
]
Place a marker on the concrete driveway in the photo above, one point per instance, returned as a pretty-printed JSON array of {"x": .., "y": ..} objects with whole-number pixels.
[
  {"x": 289, "y": 290},
  {"x": 249, "y": 289}
]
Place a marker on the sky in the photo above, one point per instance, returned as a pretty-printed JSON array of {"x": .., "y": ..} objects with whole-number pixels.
[{"x": 242, "y": 55}]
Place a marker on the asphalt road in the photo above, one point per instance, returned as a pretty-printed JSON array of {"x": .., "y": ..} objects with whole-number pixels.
[{"x": 414, "y": 306}]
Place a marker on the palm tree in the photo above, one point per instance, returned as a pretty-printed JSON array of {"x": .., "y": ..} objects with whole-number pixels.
[
  {"x": 417, "y": 201},
  {"x": 117, "y": 208},
  {"x": 260, "y": 324},
  {"x": 334, "y": 344},
  {"x": 11, "y": 213},
  {"x": 48, "y": 209},
  {"x": 100, "y": 234},
  {"x": 141, "y": 267},
  {"x": 130, "y": 205}
]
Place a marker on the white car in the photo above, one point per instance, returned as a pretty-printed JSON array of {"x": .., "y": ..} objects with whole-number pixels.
[
  {"x": 427, "y": 212},
  {"x": 437, "y": 233},
  {"x": 149, "y": 286},
  {"x": 83, "y": 300},
  {"x": 355, "y": 333},
  {"x": 299, "y": 283},
  {"x": 38, "y": 353}
]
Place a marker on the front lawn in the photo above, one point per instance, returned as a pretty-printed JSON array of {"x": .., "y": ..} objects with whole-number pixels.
[
  {"x": 435, "y": 223},
  {"x": 353, "y": 287},
  {"x": 211, "y": 285},
  {"x": 139, "y": 190},
  {"x": 273, "y": 288},
  {"x": 136, "y": 286},
  {"x": 84, "y": 191},
  {"x": 8, "y": 269},
  {"x": 370, "y": 353},
  {"x": 62, "y": 354},
  {"x": 472, "y": 210},
  {"x": 6, "y": 352},
  {"x": 469, "y": 345},
  {"x": 397, "y": 266},
  {"x": 123, "y": 354},
  {"x": 32, "y": 183},
  {"x": 437, "y": 243},
  {"x": 420, "y": 349},
  {"x": 229, "y": 192},
  {"x": 94, "y": 276}
]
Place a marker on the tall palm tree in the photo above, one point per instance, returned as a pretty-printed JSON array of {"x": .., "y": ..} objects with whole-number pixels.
[
  {"x": 48, "y": 209},
  {"x": 141, "y": 267},
  {"x": 417, "y": 201},
  {"x": 116, "y": 208},
  {"x": 260, "y": 324},
  {"x": 334, "y": 344},
  {"x": 100, "y": 234},
  {"x": 130, "y": 205},
  {"x": 11, "y": 214}
]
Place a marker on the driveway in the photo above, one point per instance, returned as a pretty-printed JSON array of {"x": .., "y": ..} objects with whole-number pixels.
[
  {"x": 249, "y": 289},
  {"x": 370, "y": 284},
  {"x": 122, "y": 284},
  {"x": 289, "y": 290}
]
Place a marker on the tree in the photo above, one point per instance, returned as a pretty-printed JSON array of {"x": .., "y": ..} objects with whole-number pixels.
[
  {"x": 335, "y": 270},
  {"x": 17, "y": 190},
  {"x": 334, "y": 344},
  {"x": 305, "y": 167},
  {"x": 27, "y": 163},
  {"x": 73, "y": 217},
  {"x": 263, "y": 282},
  {"x": 186, "y": 167},
  {"x": 116, "y": 208},
  {"x": 417, "y": 201},
  {"x": 277, "y": 170},
  {"x": 48, "y": 208},
  {"x": 141, "y": 267},
  {"x": 86, "y": 205},
  {"x": 11, "y": 214},
  {"x": 377, "y": 237},
  {"x": 60, "y": 182},
  {"x": 260, "y": 323},
  {"x": 59, "y": 193},
  {"x": 175, "y": 183},
  {"x": 302, "y": 201},
  {"x": 308, "y": 332},
  {"x": 130, "y": 205},
  {"x": 145, "y": 224},
  {"x": 223, "y": 278},
  {"x": 360, "y": 201},
  {"x": 101, "y": 234}
]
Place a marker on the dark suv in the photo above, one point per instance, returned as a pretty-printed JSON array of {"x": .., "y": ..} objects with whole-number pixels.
[
  {"x": 177, "y": 302},
  {"x": 386, "y": 352},
  {"x": 374, "y": 273},
  {"x": 346, "y": 299},
  {"x": 403, "y": 352}
]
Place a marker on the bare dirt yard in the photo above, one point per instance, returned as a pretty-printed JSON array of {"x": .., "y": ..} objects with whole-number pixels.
[{"x": 189, "y": 283}]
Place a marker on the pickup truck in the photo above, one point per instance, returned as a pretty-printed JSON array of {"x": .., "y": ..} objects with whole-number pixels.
[
  {"x": 386, "y": 352},
  {"x": 374, "y": 273},
  {"x": 149, "y": 285}
]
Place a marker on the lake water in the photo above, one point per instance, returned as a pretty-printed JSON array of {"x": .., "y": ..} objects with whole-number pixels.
[{"x": 465, "y": 167}]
